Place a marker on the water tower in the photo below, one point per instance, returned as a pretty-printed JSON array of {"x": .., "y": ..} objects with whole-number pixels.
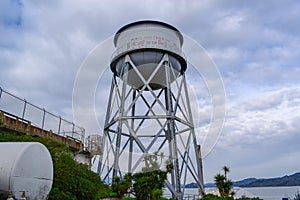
[{"x": 149, "y": 109}]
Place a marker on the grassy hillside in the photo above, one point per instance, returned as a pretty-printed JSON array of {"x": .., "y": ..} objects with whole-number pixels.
[{"x": 71, "y": 180}]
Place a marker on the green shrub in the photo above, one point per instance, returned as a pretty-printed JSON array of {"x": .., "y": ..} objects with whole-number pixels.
[
  {"x": 128, "y": 198},
  {"x": 215, "y": 197},
  {"x": 113, "y": 194}
]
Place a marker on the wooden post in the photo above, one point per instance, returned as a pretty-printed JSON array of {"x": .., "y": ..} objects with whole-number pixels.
[{"x": 200, "y": 192}]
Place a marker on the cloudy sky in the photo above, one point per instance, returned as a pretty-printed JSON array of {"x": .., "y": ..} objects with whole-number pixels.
[{"x": 255, "y": 45}]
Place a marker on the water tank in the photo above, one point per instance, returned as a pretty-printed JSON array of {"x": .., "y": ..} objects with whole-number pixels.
[
  {"x": 147, "y": 43},
  {"x": 25, "y": 167}
]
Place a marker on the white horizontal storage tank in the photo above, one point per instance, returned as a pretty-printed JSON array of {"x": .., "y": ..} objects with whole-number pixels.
[{"x": 25, "y": 167}]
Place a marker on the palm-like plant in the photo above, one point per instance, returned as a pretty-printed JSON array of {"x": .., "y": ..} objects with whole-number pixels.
[
  {"x": 227, "y": 187},
  {"x": 226, "y": 170},
  {"x": 220, "y": 182},
  {"x": 223, "y": 184}
]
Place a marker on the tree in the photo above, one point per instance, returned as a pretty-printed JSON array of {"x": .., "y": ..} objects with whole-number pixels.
[
  {"x": 226, "y": 170},
  {"x": 122, "y": 186},
  {"x": 223, "y": 184},
  {"x": 220, "y": 182},
  {"x": 147, "y": 184}
]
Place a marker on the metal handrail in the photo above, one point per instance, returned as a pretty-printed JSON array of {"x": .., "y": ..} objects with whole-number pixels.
[{"x": 76, "y": 130}]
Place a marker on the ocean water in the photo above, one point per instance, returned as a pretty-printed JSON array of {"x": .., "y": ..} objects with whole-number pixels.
[
  {"x": 274, "y": 193},
  {"x": 265, "y": 193}
]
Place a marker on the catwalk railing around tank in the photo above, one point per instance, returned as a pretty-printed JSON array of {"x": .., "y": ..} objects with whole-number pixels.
[{"x": 23, "y": 115}]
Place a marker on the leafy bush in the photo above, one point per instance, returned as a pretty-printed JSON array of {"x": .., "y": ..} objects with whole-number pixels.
[
  {"x": 148, "y": 185},
  {"x": 74, "y": 178},
  {"x": 121, "y": 186},
  {"x": 215, "y": 197},
  {"x": 128, "y": 198}
]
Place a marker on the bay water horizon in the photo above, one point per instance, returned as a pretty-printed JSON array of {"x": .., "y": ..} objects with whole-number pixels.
[{"x": 265, "y": 193}]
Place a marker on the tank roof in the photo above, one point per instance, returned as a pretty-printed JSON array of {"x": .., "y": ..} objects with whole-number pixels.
[{"x": 151, "y": 22}]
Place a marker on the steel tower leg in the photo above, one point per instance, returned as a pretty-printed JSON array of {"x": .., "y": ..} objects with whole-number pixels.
[{"x": 171, "y": 132}]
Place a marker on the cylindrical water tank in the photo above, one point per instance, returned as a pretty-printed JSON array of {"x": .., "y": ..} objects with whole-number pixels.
[
  {"x": 25, "y": 167},
  {"x": 147, "y": 43}
]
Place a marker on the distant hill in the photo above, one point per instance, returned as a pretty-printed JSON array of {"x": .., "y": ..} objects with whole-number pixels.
[
  {"x": 235, "y": 184},
  {"x": 192, "y": 185},
  {"x": 291, "y": 180},
  {"x": 288, "y": 180},
  {"x": 244, "y": 182}
]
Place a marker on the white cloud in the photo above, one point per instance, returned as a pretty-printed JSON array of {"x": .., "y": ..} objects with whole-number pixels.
[
  {"x": 230, "y": 23},
  {"x": 269, "y": 115}
]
